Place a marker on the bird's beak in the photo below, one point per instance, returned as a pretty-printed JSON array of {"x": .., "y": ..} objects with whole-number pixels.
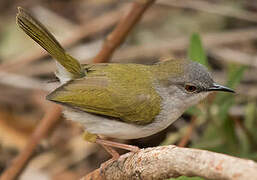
[{"x": 217, "y": 87}]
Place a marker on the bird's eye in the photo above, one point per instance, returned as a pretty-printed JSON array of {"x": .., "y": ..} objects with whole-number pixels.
[{"x": 190, "y": 88}]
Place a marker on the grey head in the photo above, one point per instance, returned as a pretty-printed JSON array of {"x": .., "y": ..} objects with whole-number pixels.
[
  {"x": 197, "y": 79},
  {"x": 191, "y": 84}
]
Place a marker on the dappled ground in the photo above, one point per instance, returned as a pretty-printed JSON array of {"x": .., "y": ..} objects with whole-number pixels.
[{"x": 223, "y": 123}]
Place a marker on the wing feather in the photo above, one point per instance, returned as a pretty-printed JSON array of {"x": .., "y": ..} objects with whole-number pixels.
[{"x": 119, "y": 91}]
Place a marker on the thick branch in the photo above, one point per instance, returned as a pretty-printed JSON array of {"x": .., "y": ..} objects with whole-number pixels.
[
  {"x": 172, "y": 161},
  {"x": 123, "y": 28}
]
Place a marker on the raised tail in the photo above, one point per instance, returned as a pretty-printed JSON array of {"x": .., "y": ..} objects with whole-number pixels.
[{"x": 46, "y": 40}]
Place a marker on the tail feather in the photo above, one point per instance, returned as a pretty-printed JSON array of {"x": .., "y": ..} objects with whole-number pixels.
[{"x": 45, "y": 39}]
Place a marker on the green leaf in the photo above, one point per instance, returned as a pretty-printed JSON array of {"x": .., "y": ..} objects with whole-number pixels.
[
  {"x": 235, "y": 75},
  {"x": 196, "y": 51},
  {"x": 251, "y": 117},
  {"x": 220, "y": 135},
  {"x": 225, "y": 101},
  {"x": 171, "y": 138}
]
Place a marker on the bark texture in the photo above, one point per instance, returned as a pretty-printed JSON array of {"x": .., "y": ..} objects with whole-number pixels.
[{"x": 172, "y": 161}]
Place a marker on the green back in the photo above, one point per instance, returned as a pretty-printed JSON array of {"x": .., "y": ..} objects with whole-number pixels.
[{"x": 123, "y": 91}]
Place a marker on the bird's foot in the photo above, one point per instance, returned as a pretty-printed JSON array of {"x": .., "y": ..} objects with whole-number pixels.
[
  {"x": 107, "y": 145},
  {"x": 117, "y": 145},
  {"x": 115, "y": 156},
  {"x": 93, "y": 138}
]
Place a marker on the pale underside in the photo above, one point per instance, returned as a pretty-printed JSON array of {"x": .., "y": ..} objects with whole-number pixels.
[
  {"x": 98, "y": 114},
  {"x": 172, "y": 109}
]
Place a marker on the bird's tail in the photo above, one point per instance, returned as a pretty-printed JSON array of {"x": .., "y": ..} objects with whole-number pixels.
[{"x": 45, "y": 39}]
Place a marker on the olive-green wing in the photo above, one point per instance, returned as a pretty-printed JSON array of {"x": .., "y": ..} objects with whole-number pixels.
[{"x": 115, "y": 91}]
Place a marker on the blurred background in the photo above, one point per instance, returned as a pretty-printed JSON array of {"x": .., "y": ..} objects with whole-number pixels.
[{"x": 224, "y": 32}]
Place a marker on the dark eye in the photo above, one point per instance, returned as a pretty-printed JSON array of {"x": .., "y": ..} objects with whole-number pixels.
[{"x": 190, "y": 88}]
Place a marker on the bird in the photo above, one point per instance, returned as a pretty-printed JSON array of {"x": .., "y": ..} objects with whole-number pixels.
[{"x": 122, "y": 101}]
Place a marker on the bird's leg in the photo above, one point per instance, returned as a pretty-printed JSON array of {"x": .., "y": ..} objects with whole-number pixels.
[
  {"x": 115, "y": 155},
  {"x": 96, "y": 139},
  {"x": 117, "y": 145},
  {"x": 93, "y": 138},
  {"x": 107, "y": 145}
]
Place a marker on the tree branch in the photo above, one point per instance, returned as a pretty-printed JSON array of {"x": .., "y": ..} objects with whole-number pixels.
[
  {"x": 85, "y": 30},
  {"x": 48, "y": 122},
  {"x": 179, "y": 44},
  {"x": 119, "y": 34},
  {"x": 171, "y": 161},
  {"x": 208, "y": 7},
  {"x": 190, "y": 129}
]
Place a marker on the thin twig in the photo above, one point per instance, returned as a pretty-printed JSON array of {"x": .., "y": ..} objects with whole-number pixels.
[
  {"x": 248, "y": 134},
  {"x": 88, "y": 29},
  {"x": 24, "y": 82},
  {"x": 171, "y": 161},
  {"x": 183, "y": 142},
  {"x": 179, "y": 44},
  {"x": 10, "y": 134},
  {"x": 208, "y": 7},
  {"x": 235, "y": 56},
  {"x": 47, "y": 123},
  {"x": 120, "y": 33}
]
